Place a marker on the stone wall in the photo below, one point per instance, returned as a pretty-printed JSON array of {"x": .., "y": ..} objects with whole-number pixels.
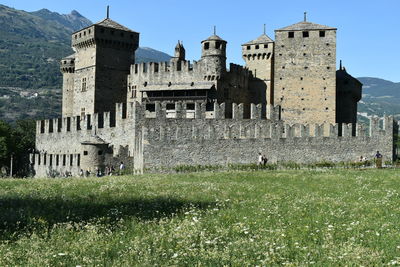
[
  {"x": 81, "y": 139},
  {"x": 305, "y": 76},
  {"x": 172, "y": 142},
  {"x": 185, "y": 76},
  {"x": 153, "y": 139}
]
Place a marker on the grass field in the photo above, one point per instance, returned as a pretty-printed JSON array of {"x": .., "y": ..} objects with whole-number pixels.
[{"x": 262, "y": 218}]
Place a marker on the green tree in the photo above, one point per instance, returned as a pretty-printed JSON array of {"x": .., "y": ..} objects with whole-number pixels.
[
  {"x": 5, "y": 142},
  {"x": 23, "y": 143}
]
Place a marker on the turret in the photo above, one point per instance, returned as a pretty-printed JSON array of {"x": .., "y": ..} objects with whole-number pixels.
[
  {"x": 348, "y": 93},
  {"x": 67, "y": 64},
  {"x": 67, "y": 68},
  {"x": 259, "y": 57},
  {"x": 179, "y": 56},
  {"x": 213, "y": 55},
  {"x": 179, "y": 51}
]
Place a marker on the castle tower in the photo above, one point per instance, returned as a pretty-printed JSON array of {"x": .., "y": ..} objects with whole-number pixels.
[
  {"x": 305, "y": 76},
  {"x": 259, "y": 57},
  {"x": 104, "y": 53},
  {"x": 67, "y": 68},
  {"x": 179, "y": 51},
  {"x": 213, "y": 56},
  {"x": 348, "y": 93},
  {"x": 178, "y": 57}
]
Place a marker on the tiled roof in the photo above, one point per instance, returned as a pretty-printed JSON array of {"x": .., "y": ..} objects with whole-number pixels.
[
  {"x": 109, "y": 23},
  {"x": 260, "y": 40},
  {"x": 305, "y": 25}
]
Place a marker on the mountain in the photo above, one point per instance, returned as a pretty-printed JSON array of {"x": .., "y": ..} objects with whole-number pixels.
[
  {"x": 32, "y": 43},
  {"x": 147, "y": 54},
  {"x": 379, "y": 97},
  {"x": 74, "y": 20},
  {"x": 31, "y": 46}
]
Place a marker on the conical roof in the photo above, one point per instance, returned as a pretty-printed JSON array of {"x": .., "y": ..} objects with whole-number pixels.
[
  {"x": 305, "y": 25},
  {"x": 262, "y": 39},
  {"x": 94, "y": 140},
  {"x": 214, "y": 37}
]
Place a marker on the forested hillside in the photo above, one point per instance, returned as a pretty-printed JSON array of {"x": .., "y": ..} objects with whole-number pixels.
[{"x": 31, "y": 46}]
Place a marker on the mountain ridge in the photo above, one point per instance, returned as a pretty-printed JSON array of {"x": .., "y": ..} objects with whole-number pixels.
[
  {"x": 379, "y": 97},
  {"x": 33, "y": 43}
]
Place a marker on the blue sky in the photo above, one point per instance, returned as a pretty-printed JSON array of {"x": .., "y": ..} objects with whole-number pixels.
[{"x": 368, "y": 34}]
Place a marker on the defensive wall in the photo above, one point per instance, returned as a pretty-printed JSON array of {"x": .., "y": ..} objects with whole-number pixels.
[{"x": 151, "y": 138}]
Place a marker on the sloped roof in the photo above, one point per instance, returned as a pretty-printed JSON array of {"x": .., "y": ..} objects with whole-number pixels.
[
  {"x": 69, "y": 57},
  {"x": 94, "y": 140},
  {"x": 262, "y": 39},
  {"x": 305, "y": 25},
  {"x": 109, "y": 23}
]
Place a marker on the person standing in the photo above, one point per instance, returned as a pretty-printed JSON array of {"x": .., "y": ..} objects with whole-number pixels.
[
  {"x": 260, "y": 159},
  {"x": 264, "y": 160},
  {"x": 378, "y": 160},
  {"x": 121, "y": 167}
]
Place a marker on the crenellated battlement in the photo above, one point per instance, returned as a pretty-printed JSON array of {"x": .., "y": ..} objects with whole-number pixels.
[
  {"x": 180, "y": 115},
  {"x": 239, "y": 69},
  {"x": 191, "y": 124},
  {"x": 167, "y": 134},
  {"x": 255, "y": 129},
  {"x": 161, "y": 68},
  {"x": 67, "y": 64}
]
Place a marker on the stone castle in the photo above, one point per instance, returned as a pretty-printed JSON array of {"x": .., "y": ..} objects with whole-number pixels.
[{"x": 289, "y": 102}]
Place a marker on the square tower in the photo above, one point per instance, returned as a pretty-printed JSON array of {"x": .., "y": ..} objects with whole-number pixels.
[
  {"x": 259, "y": 57},
  {"x": 305, "y": 73},
  {"x": 103, "y": 54}
]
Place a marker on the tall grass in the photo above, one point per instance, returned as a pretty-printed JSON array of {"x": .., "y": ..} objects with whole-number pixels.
[{"x": 322, "y": 217}]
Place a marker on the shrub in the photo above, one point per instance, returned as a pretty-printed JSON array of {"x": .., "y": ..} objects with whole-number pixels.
[{"x": 290, "y": 165}]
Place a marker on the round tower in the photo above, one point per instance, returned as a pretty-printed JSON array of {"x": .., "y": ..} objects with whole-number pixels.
[
  {"x": 67, "y": 68},
  {"x": 67, "y": 65},
  {"x": 213, "y": 56},
  {"x": 93, "y": 153}
]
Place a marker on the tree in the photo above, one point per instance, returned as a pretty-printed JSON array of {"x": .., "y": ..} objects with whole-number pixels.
[
  {"x": 5, "y": 142},
  {"x": 23, "y": 143},
  {"x": 18, "y": 140}
]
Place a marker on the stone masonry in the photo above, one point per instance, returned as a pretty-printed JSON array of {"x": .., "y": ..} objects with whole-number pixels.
[
  {"x": 150, "y": 139},
  {"x": 294, "y": 106}
]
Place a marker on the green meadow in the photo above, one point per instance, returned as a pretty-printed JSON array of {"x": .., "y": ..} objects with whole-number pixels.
[{"x": 327, "y": 217}]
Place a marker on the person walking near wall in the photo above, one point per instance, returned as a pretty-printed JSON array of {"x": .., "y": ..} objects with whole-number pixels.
[
  {"x": 264, "y": 160},
  {"x": 378, "y": 160},
  {"x": 121, "y": 168},
  {"x": 260, "y": 159}
]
